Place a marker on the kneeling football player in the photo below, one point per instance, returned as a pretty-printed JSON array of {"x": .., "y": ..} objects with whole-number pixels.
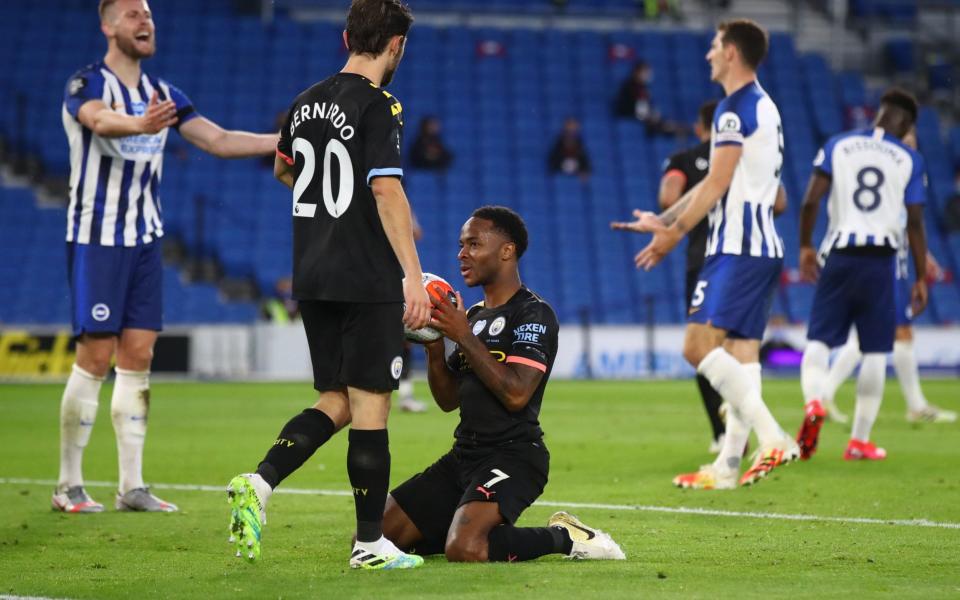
[{"x": 465, "y": 504}]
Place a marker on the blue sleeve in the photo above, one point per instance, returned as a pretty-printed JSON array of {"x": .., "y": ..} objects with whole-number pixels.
[
  {"x": 185, "y": 109},
  {"x": 83, "y": 86},
  {"x": 823, "y": 161},
  {"x": 916, "y": 192},
  {"x": 735, "y": 121}
]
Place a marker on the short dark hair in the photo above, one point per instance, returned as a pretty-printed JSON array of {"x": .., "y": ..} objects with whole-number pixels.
[
  {"x": 371, "y": 24},
  {"x": 750, "y": 39},
  {"x": 507, "y": 222},
  {"x": 706, "y": 112},
  {"x": 902, "y": 99}
]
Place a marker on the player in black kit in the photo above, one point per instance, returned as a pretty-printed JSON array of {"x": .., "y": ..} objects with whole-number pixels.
[
  {"x": 681, "y": 172},
  {"x": 465, "y": 504},
  {"x": 355, "y": 267}
]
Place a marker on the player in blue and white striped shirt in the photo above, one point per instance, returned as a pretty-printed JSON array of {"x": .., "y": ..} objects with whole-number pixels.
[
  {"x": 732, "y": 299},
  {"x": 117, "y": 119},
  {"x": 871, "y": 175}
]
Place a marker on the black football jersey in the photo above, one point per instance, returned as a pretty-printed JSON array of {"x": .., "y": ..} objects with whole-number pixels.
[
  {"x": 339, "y": 134},
  {"x": 524, "y": 330},
  {"x": 694, "y": 164}
]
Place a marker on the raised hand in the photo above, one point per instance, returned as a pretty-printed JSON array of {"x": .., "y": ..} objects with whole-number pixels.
[
  {"x": 662, "y": 243},
  {"x": 450, "y": 320},
  {"x": 644, "y": 222},
  {"x": 159, "y": 115}
]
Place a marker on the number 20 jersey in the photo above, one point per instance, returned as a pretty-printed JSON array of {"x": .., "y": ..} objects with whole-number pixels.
[
  {"x": 338, "y": 136},
  {"x": 873, "y": 174}
]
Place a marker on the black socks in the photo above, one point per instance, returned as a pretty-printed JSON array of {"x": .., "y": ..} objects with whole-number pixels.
[
  {"x": 507, "y": 543},
  {"x": 368, "y": 466},
  {"x": 298, "y": 440}
]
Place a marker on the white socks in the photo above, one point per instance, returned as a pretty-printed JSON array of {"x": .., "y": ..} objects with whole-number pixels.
[
  {"x": 78, "y": 411},
  {"x": 813, "y": 370},
  {"x": 736, "y": 385},
  {"x": 406, "y": 389},
  {"x": 128, "y": 409},
  {"x": 869, "y": 394},
  {"x": 905, "y": 364},
  {"x": 736, "y": 431},
  {"x": 846, "y": 360}
]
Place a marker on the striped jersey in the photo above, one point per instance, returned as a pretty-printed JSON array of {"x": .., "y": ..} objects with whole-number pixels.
[
  {"x": 874, "y": 175},
  {"x": 741, "y": 223},
  {"x": 114, "y": 182}
]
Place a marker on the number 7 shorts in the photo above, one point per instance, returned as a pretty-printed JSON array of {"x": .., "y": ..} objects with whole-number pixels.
[{"x": 513, "y": 476}]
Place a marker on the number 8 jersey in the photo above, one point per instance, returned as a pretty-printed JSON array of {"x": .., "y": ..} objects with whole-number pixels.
[
  {"x": 874, "y": 174},
  {"x": 338, "y": 136}
]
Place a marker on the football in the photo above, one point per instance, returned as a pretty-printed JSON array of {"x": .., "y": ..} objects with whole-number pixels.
[{"x": 438, "y": 288}]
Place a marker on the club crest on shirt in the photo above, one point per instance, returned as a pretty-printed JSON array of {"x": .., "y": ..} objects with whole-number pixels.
[
  {"x": 478, "y": 326},
  {"x": 497, "y": 326},
  {"x": 76, "y": 85},
  {"x": 702, "y": 164},
  {"x": 138, "y": 108}
]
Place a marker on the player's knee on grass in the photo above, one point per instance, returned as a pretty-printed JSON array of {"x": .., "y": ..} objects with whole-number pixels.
[
  {"x": 467, "y": 548},
  {"x": 467, "y": 539}
]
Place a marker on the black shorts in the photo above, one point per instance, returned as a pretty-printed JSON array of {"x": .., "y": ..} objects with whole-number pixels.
[
  {"x": 354, "y": 344},
  {"x": 513, "y": 476}
]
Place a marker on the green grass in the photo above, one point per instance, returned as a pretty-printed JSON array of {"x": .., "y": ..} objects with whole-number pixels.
[{"x": 614, "y": 443}]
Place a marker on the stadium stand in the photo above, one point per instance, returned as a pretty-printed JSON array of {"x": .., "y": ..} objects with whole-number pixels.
[{"x": 500, "y": 94}]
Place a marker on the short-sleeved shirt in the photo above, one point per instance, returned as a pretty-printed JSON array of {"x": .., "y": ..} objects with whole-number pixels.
[
  {"x": 741, "y": 223},
  {"x": 524, "y": 331},
  {"x": 874, "y": 176},
  {"x": 693, "y": 164},
  {"x": 115, "y": 182},
  {"x": 339, "y": 135}
]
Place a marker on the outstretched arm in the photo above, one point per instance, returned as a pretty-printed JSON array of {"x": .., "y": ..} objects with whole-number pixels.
[
  {"x": 701, "y": 199},
  {"x": 210, "y": 137}
]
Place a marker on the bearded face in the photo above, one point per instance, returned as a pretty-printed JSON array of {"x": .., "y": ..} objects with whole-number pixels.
[
  {"x": 130, "y": 24},
  {"x": 394, "y": 65}
]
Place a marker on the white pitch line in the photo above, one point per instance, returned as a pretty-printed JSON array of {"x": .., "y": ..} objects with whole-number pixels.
[{"x": 677, "y": 510}]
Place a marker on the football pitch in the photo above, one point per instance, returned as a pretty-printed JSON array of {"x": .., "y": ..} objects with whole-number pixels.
[{"x": 825, "y": 528}]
